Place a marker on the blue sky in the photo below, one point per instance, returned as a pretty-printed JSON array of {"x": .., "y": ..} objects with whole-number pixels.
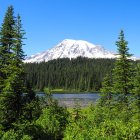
[{"x": 48, "y": 22}]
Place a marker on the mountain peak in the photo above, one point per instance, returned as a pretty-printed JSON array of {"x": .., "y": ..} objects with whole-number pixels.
[
  {"x": 78, "y": 42},
  {"x": 69, "y": 48}
]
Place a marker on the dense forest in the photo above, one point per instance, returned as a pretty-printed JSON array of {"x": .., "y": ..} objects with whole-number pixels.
[
  {"x": 80, "y": 74},
  {"x": 24, "y": 116}
]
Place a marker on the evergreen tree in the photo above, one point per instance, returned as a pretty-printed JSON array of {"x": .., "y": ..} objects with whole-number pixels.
[
  {"x": 11, "y": 56},
  {"x": 123, "y": 71},
  {"x": 19, "y": 54},
  {"x": 6, "y": 41},
  {"x": 17, "y": 65}
]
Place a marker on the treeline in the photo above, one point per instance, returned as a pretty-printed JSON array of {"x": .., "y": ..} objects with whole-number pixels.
[{"x": 80, "y": 74}]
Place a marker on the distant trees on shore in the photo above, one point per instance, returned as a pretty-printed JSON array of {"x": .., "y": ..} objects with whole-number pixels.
[{"x": 80, "y": 74}]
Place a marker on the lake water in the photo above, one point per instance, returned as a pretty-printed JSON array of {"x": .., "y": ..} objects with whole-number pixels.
[{"x": 75, "y": 99}]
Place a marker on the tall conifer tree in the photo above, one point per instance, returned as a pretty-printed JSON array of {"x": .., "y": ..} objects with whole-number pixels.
[
  {"x": 11, "y": 72},
  {"x": 123, "y": 71},
  {"x": 6, "y": 41}
]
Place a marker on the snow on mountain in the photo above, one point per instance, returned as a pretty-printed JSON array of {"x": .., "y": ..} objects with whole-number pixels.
[{"x": 71, "y": 49}]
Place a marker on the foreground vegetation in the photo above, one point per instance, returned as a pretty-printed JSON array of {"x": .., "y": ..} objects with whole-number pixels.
[
  {"x": 108, "y": 123},
  {"x": 23, "y": 116},
  {"x": 94, "y": 122}
]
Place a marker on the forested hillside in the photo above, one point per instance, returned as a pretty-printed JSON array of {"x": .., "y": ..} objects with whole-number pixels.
[{"x": 81, "y": 74}]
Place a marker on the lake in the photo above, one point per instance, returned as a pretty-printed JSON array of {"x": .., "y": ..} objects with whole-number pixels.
[{"x": 75, "y": 99}]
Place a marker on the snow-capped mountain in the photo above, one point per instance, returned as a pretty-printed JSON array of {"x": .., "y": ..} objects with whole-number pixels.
[{"x": 71, "y": 49}]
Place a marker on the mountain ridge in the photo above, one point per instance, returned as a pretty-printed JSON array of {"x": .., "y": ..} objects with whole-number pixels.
[{"x": 69, "y": 48}]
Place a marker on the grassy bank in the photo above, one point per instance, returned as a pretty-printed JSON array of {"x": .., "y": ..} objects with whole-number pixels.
[{"x": 68, "y": 91}]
